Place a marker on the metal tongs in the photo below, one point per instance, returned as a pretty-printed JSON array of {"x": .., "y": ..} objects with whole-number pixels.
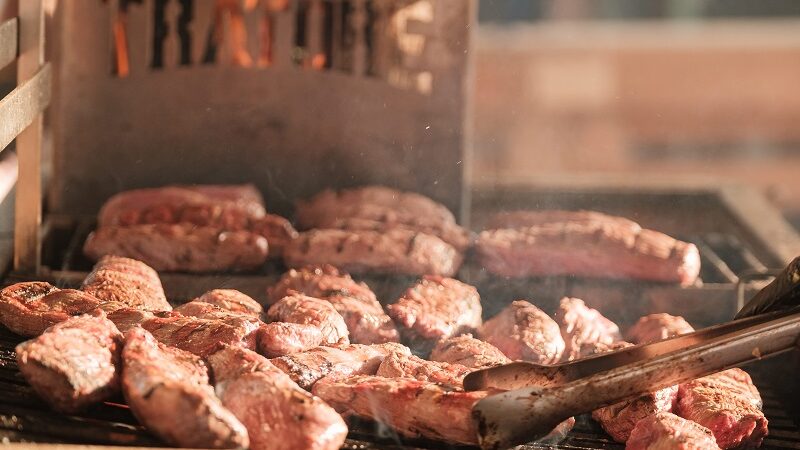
[{"x": 537, "y": 397}]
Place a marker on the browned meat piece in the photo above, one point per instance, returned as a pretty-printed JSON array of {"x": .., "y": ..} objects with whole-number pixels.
[
  {"x": 728, "y": 404},
  {"x": 529, "y": 218},
  {"x": 449, "y": 232},
  {"x": 401, "y": 365},
  {"x": 277, "y": 413},
  {"x": 583, "y": 328},
  {"x": 307, "y": 310},
  {"x": 180, "y": 247},
  {"x": 412, "y": 407},
  {"x": 203, "y": 310},
  {"x": 74, "y": 363},
  {"x": 657, "y": 327},
  {"x": 232, "y": 300},
  {"x": 278, "y": 231},
  {"x": 126, "y": 318},
  {"x": 666, "y": 431},
  {"x": 394, "y": 251},
  {"x": 29, "y": 308},
  {"x": 284, "y": 338},
  {"x": 524, "y": 332},
  {"x": 167, "y": 390},
  {"x": 202, "y": 336},
  {"x": 468, "y": 351},
  {"x": 308, "y": 367},
  {"x": 591, "y": 248},
  {"x": 436, "y": 308},
  {"x": 127, "y": 281}
]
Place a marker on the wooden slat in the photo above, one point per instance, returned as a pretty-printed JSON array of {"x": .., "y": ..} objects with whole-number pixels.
[
  {"x": 8, "y": 42},
  {"x": 20, "y": 107}
]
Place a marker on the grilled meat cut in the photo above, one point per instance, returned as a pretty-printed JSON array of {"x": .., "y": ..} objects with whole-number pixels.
[
  {"x": 74, "y": 363},
  {"x": 583, "y": 328},
  {"x": 31, "y": 307},
  {"x": 728, "y": 404},
  {"x": 127, "y": 281},
  {"x": 657, "y": 327},
  {"x": 285, "y": 338},
  {"x": 666, "y": 431},
  {"x": 278, "y": 231},
  {"x": 180, "y": 247},
  {"x": 233, "y": 301},
  {"x": 412, "y": 407},
  {"x": 524, "y": 332},
  {"x": 395, "y": 251},
  {"x": 532, "y": 218},
  {"x": 402, "y": 365},
  {"x": 168, "y": 391},
  {"x": 277, "y": 413},
  {"x": 307, "y": 310},
  {"x": 604, "y": 248},
  {"x": 203, "y": 310},
  {"x": 202, "y": 337},
  {"x": 468, "y": 351},
  {"x": 436, "y": 308},
  {"x": 449, "y": 232}
]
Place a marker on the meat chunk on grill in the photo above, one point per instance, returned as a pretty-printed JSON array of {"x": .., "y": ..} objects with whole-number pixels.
[
  {"x": 29, "y": 308},
  {"x": 532, "y": 218},
  {"x": 366, "y": 321},
  {"x": 524, "y": 332},
  {"x": 449, "y": 232},
  {"x": 604, "y": 248},
  {"x": 233, "y": 301},
  {"x": 285, "y": 338},
  {"x": 436, "y": 308},
  {"x": 127, "y": 281},
  {"x": 395, "y": 251},
  {"x": 657, "y": 327},
  {"x": 202, "y": 337},
  {"x": 666, "y": 431},
  {"x": 469, "y": 352},
  {"x": 728, "y": 404},
  {"x": 278, "y": 231},
  {"x": 307, "y": 310},
  {"x": 412, "y": 407},
  {"x": 126, "y": 318},
  {"x": 402, "y": 365},
  {"x": 168, "y": 391},
  {"x": 203, "y": 310},
  {"x": 583, "y": 328},
  {"x": 277, "y": 413},
  {"x": 180, "y": 247},
  {"x": 74, "y": 363}
]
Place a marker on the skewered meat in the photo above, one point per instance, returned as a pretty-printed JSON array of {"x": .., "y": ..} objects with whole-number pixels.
[
  {"x": 728, "y": 404},
  {"x": 29, "y": 308},
  {"x": 127, "y": 281},
  {"x": 607, "y": 248},
  {"x": 366, "y": 321},
  {"x": 180, "y": 247},
  {"x": 74, "y": 363},
  {"x": 657, "y": 327},
  {"x": 167, "y": 390},
  {"x": 436, "y": 308},
  {"x": 308, "y": 367},
  {"x": 307, "y": 310},
  {"x": 232, "y": 300},
  {"x": 412, "y": 407},
  {"x": 277, "y": 413},
  {"x": 394, "y": 251},
  {"x": 468, "y": 351},
  {"x": 583, "y": 328},
  {"x": 285, "y": 338},
  {"x": 664, "y": 431},
  {"x": 524, "y": 332},
  {"x": 402, "y": 365}
]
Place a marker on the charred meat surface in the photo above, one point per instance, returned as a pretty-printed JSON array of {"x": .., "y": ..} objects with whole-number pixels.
[
  {"x": 666, "y": 431},
  {"x": 74, "y": 363},
  {"x": 307, "y": 310},
  {"x": 233, "y": 301},
  {"x": 583, "y": 328},
  {"x": 524, "y": 332},
  {"x": 468, "y": 351},
  {"x": 285, "y": 338},
  {"x": 31, "y": 307},
  {"x": 167, "y": 390},
  {"x": 436, "y": 308},
  {"x": 395, "y": 251},
  {"x": 728, "y": 404},
  {"x": 277, "y": 413},
  {"x": 412, "y": 407},
  {"x": 657, "y": 327},
  {"x": 127, "y": 281},
  {"x": 402, "y": 365}
]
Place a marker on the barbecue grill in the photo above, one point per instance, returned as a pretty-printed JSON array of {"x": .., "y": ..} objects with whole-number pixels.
[{"x": 144, "y": 94}]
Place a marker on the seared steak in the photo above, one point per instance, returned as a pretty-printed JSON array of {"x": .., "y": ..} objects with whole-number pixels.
[
  {"x": 278, "y": 231},
  {"x": 74, "y": 363},
  {"x": 403, "y": 365},
  {"x": 656, "y": 327},
  {"x": 180, "y": 247},
  {"x": 201, "y": 337},
  {"x": 468, "y": 351},
  {"x": 728, "y": 404},
  {"x": 394, "y": 251},
  {"x": 277, "y": 413},
  {"x": 449, "y": 232},
  {"x": 29, "y": 308},
  {"x": 666, "y": 431},
  {"x": 285, "y": 338},
  {"x": 232, "y": 300},
  {"x": 167, "y": 390},
  {"x": 127, "y": 281},
  {"x": 532, "y": 218},
  {"x": 524, "y": 332},
  {"x": 307, "y": 310},
  {"x": 203, "y": 310},
  {"x": 412, "y": 407},
  {"x": 126, "y": 318},
  {"x": 436, "y": 308},
  {"x": 583, "y": 328}
]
